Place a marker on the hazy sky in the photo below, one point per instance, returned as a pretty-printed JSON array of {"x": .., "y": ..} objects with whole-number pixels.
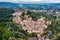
[{"x": 27, "y": 1}]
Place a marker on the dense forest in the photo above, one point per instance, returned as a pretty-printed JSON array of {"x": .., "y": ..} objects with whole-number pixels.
[{"x": 7, "y": 27}]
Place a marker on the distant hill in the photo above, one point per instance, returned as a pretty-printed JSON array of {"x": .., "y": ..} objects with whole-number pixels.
[
  {"x": 41, "y": 6},
  {"x": 45, "y": 6},
  {"x": 8, "y": 4}
]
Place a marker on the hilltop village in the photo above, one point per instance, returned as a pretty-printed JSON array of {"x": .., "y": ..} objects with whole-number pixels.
[{"x": 30, "y": 25}]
